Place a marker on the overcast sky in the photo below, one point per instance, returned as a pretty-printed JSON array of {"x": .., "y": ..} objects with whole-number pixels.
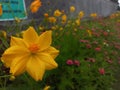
[{"x": 119, "y": 2}]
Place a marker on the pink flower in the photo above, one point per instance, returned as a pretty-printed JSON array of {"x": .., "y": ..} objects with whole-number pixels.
[
  {"x": 105, "y": 33},
  {"x": 96, "y": 34},
  {"x": 76, "y": 62},
  {"x": 84, "y": 41},
  {"x": 92, "y": 60},
  {"x": 95, "y": 42},
  {"x": 102, "y": 71},
  {"x": 109, "y": 61},
  {"x": 98, "y": 49},
  {"x": 69, "y": 62},
  {"x": 88, "y": 46},
  {"x": 119, "y": 62}
]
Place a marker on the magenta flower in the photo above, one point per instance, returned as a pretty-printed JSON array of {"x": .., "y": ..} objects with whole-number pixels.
[
  {"x": 98, "y": 49},
  {"x": 105, "y": 33},
  {"x": 76, "y": 62},
  {"x": 88, "y": 46},
  {"x": 109, "y": 61},
  {"x": 84, "y": 41},
  {"x": 102, "y": 71},
  {"x": 92, "y": 60},
  {"x": 69, "y": 62}
]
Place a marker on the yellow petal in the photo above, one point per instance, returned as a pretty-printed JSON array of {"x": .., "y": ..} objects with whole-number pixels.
[
  {"x": 17, "y": 41},
  {"x": 6, "y": 59},
  {"x": 13, "y": 52},
  {"x": 48, "y": 60},
  {"x": 45, "y": 40},
  {"x": 16, "y": 50},
  {"x": 18, "y": 65},
  {"x": 52, "y": 51},
  {"x": 30, "y": 35},
  {"x": 35, "y": 68}
]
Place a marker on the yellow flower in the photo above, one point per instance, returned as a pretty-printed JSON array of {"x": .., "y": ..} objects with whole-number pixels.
[
  {"x": 93, "y": 15},
  {"x": 118, "y": 21},
  {"x": 75, "y": 29},
  {"x": 61, "y": 28},
  {"x": 77, "y": 22},
  {"x": 89, "y": 32},
  {"x": 32, "y": 54},
  {"x": 52, "y": 19},
  {"x": 34, "y": 7},
  {"x": 46, "y": 88},
  {"x": 57, "y": 13},
  {"x": 64, "y": 18},
  {"x": 1, "y": 11},
  {"x": 112, "y": 16},
  {"x": 72, "y": 9},
  {"x": 81, "y": 14},
  {"x": 53, "y": 27},
  {"x": 69, "y": 22}
]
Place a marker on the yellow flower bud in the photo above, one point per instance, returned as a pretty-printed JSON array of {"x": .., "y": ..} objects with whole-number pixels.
[
  {"x": 17, "y": 20},
  {"x": 46, "y": 88},
  {"x": 46, "y": 15},
  {"x": 3, "y": 33},
  {"x": 12, "y": 78},
  {"x": 72, "y": 9}
]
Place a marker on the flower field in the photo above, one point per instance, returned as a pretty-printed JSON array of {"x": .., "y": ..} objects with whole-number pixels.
[{"x": 65, "y": 51}]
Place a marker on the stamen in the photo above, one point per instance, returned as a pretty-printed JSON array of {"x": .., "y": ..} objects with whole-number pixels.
[{"x": 34, "y": 48}]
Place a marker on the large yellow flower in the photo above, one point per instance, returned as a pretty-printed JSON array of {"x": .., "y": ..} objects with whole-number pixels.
[{"x": 32, "y": 53}]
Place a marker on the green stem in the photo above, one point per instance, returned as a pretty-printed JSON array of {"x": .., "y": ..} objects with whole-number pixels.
[
  {"x": 5, "y": 76},
  {"x": 29, "y": 80}
]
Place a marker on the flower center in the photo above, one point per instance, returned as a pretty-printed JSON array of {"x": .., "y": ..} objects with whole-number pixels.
[{"x": 33, "y": 48}]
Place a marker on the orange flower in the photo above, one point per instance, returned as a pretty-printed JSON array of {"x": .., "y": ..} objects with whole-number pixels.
[
  {"x": 64, "y": 19},
  {"x": 35, "y": 6},
  {"x": 1, "y": 11},
  {"x": 46, "y": 15}
]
